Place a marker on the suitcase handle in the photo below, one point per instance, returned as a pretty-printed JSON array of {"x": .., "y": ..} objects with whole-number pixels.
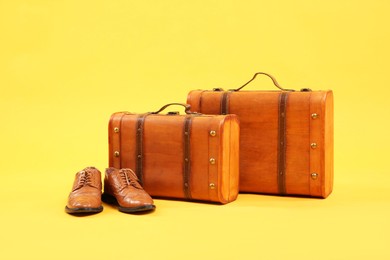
[
  {"x": 186, "y": 106},
  {"x": 271, "y": 77}
]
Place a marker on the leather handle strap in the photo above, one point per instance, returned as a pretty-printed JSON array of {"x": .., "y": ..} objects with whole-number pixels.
[
  {"x": 186, "y": 106},
  {"x": 266, "y": 74}
]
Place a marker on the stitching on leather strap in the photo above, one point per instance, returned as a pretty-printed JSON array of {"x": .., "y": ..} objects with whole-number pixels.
[
  {"x": 282, "y": 143},
  {"x": 224, "y": 103},
  {"x": 187, "y": 157},
  {"x": 139, "y": 147}
]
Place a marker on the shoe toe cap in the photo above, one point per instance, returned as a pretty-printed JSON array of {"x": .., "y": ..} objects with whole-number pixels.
[
  {"x": 137, "y": 201},
  {"x": 83, "y": 202}
]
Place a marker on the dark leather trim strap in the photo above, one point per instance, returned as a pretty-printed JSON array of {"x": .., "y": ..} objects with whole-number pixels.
[
  {"x": 187, "y": 157},
  {"x": 282, "y": 143},
  {"x": 120, "y": 140},
  {"x": 139, "y": 147},
  {"x": 200, "y": 102},
  {"x": 224, "y": 103}
]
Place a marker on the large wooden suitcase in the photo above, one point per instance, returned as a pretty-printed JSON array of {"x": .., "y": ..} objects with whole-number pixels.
[
  {"x": 286, "y": 143},
  {"x": 190, "y": 157}
]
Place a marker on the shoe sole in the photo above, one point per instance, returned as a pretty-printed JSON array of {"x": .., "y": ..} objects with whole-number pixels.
[
  {"x": 83, "y": 210},
  {"x": 107, "y": 198}
]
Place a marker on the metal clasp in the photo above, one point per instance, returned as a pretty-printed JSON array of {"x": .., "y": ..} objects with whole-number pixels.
[{"x": 173, "y": 113}]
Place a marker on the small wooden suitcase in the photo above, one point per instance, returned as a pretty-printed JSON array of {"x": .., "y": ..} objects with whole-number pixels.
[
  {"x": 190, "y": 157},
  {"x": 286, "y": 143}
]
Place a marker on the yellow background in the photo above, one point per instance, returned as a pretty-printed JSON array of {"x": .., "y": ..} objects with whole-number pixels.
[{"x": 65, "y": 66}]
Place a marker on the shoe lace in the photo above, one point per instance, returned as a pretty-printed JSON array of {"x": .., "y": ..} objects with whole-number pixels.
[
  {"x": 84, "y": 180},
  {"x": 129, "y": 181}
]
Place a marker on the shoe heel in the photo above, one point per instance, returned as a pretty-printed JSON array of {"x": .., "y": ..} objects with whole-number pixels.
[{"x": 107, "y": 198}]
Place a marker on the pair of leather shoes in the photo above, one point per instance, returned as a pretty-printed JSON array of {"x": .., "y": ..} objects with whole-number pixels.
[{"x": 121, "y": 187}]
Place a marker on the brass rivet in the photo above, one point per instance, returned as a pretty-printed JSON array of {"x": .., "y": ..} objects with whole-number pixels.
[
  {"x": 116, "y": 129},
  {"x": 212, "y": 186},
  {"x": 212, "y": 160},
  {"x": 213, "y": 133},
  {"x": 116, "y": 153},
  {"x": 314, "y": 176},
  {"x": 186, "y": 184},
  {"x": 313, "y": 145},
  {"x": 314, "y": 115},
  {"x": 139, "y": 156},
  {"x": 186, "y": 159}
]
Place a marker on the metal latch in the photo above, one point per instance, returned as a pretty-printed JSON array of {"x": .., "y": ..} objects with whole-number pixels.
[{"x": 173, "y": 113}]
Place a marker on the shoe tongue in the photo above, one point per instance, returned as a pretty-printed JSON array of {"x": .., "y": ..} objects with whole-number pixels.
[
  {"x": 81, "y": 174},
  {"x": 110, "y": 170},
  {"x": 130, "y": 174}
]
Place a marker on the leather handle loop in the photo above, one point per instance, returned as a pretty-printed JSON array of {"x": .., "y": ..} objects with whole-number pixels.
[
  {"x": 186, "y": 106},
  {"x": 270, "y": 76}
]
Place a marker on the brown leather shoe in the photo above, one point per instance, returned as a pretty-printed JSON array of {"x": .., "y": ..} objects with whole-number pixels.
[
  {"x": 85, "y": 196},
  {"x": 122, "y": 187}
]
